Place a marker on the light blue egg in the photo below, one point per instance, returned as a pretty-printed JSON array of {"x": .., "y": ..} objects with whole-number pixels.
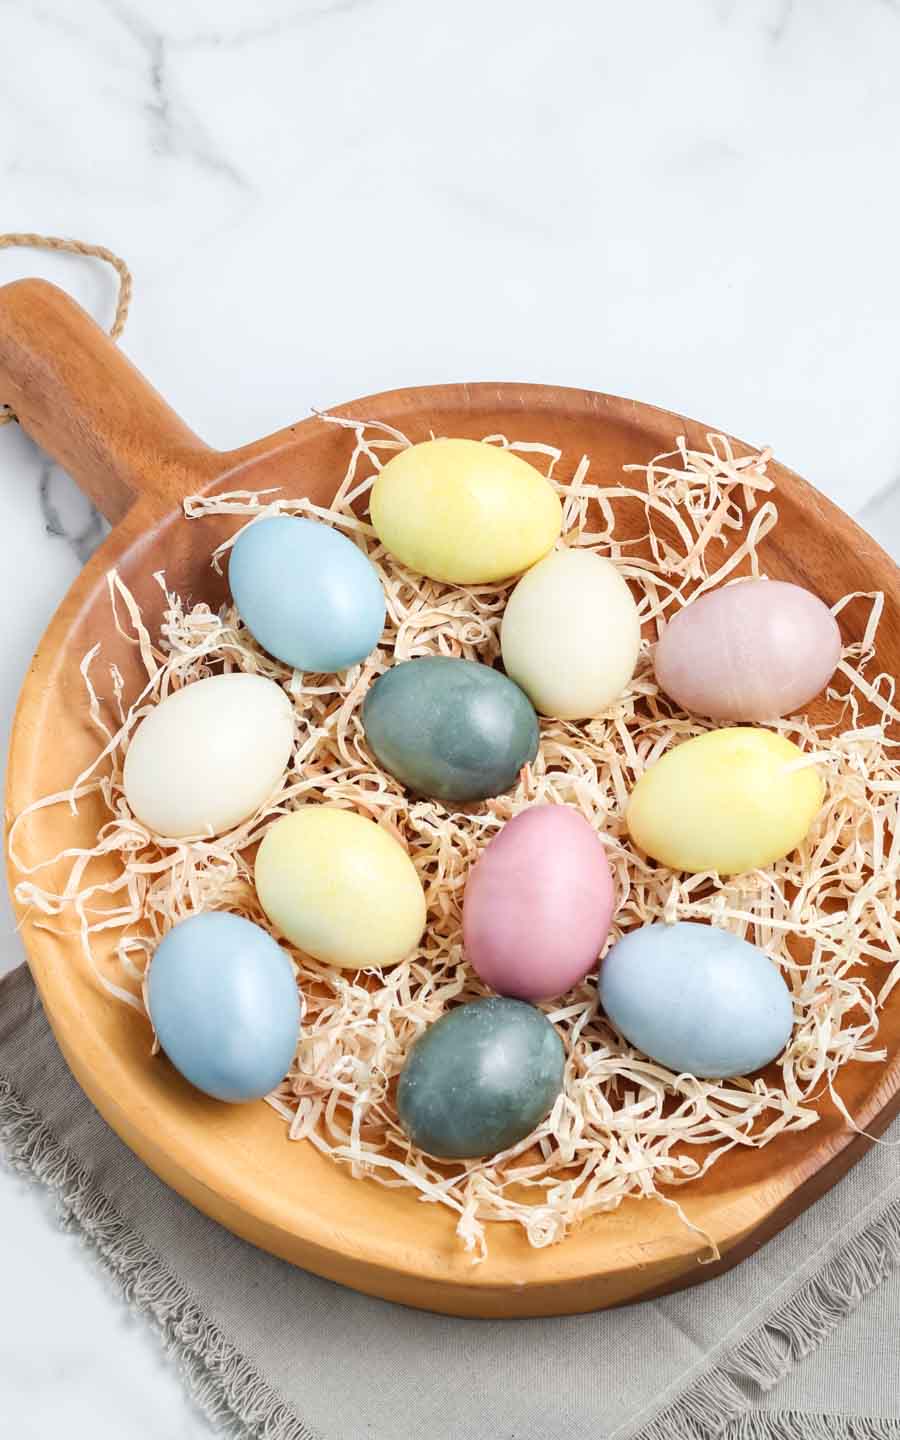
[
  {"x": 306, "y": 593},
  {"x": 225, "y": 1005},
  {"x": 696, "y": 999}
]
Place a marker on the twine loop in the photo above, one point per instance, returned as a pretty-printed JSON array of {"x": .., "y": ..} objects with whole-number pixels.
[{"x": 75, "y": 247}]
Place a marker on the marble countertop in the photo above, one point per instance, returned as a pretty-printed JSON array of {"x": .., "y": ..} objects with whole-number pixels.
[{"x": 692, "y": 204}]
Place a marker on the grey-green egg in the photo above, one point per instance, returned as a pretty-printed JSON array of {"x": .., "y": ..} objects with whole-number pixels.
[
  {"x": 480, "y": 1079},
  {"x": 453, "y": 730}
]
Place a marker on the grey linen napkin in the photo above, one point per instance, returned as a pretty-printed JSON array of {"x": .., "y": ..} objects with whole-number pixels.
[{"x": 270, "y": 1351}]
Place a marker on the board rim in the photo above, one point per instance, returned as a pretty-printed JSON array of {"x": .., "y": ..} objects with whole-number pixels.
[{"x": 447, "y": 1287}]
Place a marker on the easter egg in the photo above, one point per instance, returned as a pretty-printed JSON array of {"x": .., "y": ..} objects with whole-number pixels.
[
  {"x": 210, "y": 755},
  {"x": 750, "y": 651},
  {"x": 450, "y": 729},
  {"x": 480, "y": 1079},
  {"x": 538, "y": 904},
  {"x": 224, "y": 1005},
  {"x": 306, "y": 593},
  {"x": 463, "y": 511},
  {"x": 728, "y": 801},
  {"x": 696, "y": 999},
  {"x": 571, "y": 634},
  {"x": 340, "y": 888}
]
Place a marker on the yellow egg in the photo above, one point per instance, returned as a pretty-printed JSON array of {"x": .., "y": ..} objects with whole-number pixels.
[
  {"x": 464, "y": 512},
  {"x": 340, "y": 888},
  {"x": 728, "y": 801}
]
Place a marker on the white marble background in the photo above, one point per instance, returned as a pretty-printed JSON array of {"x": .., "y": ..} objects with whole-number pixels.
[{"x": 695, "y": 204}]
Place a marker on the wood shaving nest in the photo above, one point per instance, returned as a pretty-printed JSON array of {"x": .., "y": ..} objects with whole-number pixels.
[{"x": 827, "y": 914}]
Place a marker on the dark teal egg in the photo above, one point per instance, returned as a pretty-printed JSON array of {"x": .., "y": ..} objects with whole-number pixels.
[
  {"x": 480, "y": 1079},
  {"x": 454, "y": 730}
]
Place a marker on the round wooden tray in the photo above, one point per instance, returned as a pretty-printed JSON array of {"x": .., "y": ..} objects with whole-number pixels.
[{"x": 81, "y": 399}]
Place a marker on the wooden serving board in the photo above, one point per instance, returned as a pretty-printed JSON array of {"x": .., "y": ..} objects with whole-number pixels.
[{"x": 94, "y": 413}]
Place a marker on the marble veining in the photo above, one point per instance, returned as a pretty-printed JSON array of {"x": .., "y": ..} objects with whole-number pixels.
[
  {"x": 781, "y": 21},
  {"x": 68, "y": 515},
  {"x": 691, "y": 204},
  {"x": 175, "y": 127}
]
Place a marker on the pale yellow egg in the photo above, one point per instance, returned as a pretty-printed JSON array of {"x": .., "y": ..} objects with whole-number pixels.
[
  {"x": 340, "y": 888},
  {"x": 571, "y": 634},
  {"x": 464, "y": 512},
  {"x": 728, "y": 801}
]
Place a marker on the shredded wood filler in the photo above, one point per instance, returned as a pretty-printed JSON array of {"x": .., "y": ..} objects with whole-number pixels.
[{"x": 828, "y": 914}]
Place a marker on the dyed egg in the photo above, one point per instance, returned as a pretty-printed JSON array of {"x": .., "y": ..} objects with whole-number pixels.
[
  {"x": 751, "y": 651},
  {"x": 451, "y": 729},
  {"x": 306, "y": 593},
  {"x": 463, "y": 511},
  {"x": 225, "y": 1005},
  {"x": 340, "y": 888},
  {"x": 698, "y": 1000},
  {"x": 571, "y": 634},
  {"x": 729, "y": 801},
  {"x": 210, "y": 755},
  {"x": 538, "y": 904},
  {"x": 480, "y": 1079}
]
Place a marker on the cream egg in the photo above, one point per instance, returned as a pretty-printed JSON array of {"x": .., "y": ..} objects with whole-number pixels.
[{"x": 210, "y": 755}]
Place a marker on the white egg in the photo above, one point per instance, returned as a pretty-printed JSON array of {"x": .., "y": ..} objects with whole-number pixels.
[
  {"x": 571, "y": 634},
  {"x": 209, "y": 755}
]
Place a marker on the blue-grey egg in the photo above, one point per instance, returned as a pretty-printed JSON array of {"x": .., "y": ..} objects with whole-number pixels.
[
  {"x": 698, "y": 1000},
  {"x": 306, "y": 593},
  {"x": 480, "y": 1079},
  {"x": 225, "y": 1005},
  {"x": 451, "y": 729}
]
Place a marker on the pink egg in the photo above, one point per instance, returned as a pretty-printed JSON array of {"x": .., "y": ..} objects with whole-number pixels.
[
  {"x": 538, "y": 904},
  {"x": 750, "y": 651}
]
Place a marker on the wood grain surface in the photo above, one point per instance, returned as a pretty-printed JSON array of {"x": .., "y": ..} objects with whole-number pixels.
[{"x": 92, "y": 411}]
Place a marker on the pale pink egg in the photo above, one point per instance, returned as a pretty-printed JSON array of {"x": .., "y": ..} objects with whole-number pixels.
[
  {"x": 538, "y": 904},
  {"x": 751, "y": 651}
]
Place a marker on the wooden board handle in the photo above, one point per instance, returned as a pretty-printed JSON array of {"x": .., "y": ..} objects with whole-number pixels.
[{"x": 77, "y": 395}]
